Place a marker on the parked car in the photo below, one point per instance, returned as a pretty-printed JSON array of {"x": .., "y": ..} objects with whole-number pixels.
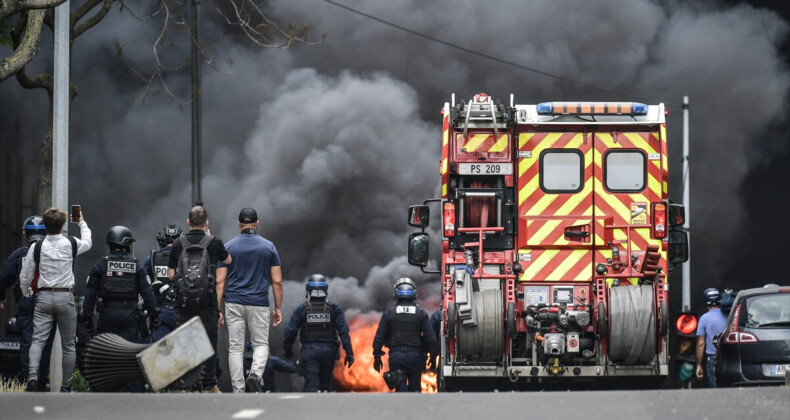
[{"x": 754, "y": 349}]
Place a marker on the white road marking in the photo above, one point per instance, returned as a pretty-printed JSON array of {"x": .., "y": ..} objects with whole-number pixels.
[
  {"x": 39, "y": 409},
  {"x": 249, "y": 413},
  {"x": 291, "y": 397}
]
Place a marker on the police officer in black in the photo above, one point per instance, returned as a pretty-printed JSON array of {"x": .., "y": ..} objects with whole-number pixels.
[
  {"x": 406, "y": 331},
  {"x": 116, "y": 281},
  {"x": 319, "y": 323},
  {"x": 155, "y": 267},
  {"x": 33, "y": 229}
]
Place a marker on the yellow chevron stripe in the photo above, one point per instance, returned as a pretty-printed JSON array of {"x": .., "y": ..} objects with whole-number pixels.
[
  {"x": 444, "y": 190},
  {"x": 444, "y": 166},
  {"x": 536, "y": 265},
  {"x": 523, "y": 138},
  {"x": 475, "y": 141},
  {"x": 571, "y": 260},
  {"x": 574, "y": 200},
  {"x": 540, "y": 206},
  {"x": 639, "y": 142},
  {"x": 527, "y": 189},
  {"x": 576, "y": 141},
  {"x": 608, "y": 140},
  {"x": 500, "y": 145},
  {"x": 663, "y": 138},
  {"x": 543, "y": 232},
  {"x": 613, "y": 202}
]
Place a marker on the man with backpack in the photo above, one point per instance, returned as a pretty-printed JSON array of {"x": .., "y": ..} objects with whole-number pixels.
[
  {"x": 192, "y": 269},
  {"x": 48, "y": 270}
]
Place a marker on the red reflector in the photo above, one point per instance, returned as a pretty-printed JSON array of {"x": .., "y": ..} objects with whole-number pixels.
[
  {"x": 448, "y": 221},
  {"x": 686, "y": 324},
  {"x": 660, "y": 220}
]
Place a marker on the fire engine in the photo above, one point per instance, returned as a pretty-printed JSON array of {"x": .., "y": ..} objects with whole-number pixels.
[{"x": 557, "y": 236}]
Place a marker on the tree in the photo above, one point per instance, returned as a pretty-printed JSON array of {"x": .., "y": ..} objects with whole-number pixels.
[{"x": 21, "y": 22}]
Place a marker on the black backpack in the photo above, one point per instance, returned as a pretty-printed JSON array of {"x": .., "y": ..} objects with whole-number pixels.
[{"x": 194, "y": 280}]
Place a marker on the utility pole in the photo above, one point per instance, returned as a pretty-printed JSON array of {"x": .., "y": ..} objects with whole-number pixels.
[
  {"x": 197, "y": 61},
  {"x": 60, "y": 150},
  {"x": 687, "y": 222}
]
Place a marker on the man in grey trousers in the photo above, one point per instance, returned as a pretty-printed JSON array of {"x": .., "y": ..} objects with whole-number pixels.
[{"x": 55, "y": 291}]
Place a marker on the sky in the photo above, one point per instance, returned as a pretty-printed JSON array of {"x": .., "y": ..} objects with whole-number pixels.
[{"x": 331, "y": 142}]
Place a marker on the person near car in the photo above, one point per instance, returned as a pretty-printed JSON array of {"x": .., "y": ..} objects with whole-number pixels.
[{"x": 711, "y": 323}]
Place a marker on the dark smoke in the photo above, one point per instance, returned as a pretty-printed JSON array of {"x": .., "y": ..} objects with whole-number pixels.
[{"x": 332, "y": 142}]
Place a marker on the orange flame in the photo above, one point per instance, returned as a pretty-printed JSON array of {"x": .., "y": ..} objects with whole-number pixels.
[{"x": 361, "y": 377}]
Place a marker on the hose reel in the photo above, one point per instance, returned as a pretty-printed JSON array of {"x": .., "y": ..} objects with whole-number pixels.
[
  {"x": 632, "y": 337},
  {"x": 484, "y": 340}
]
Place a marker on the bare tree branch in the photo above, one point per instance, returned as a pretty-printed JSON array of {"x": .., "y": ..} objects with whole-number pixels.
[
  {"x": 8, "y": 8},
  {"x": 93, "y": 20},
  {"x": 27, "y": 47}
]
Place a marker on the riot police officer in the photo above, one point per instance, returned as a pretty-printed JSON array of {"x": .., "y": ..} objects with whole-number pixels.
[
  {"x": 319, "y": 323},
  {"x": 116, "y": 281},
  {"x": 406, "y": 331},
  {"x": 155, "y": 266},
  {"x": 34, "y": 230}
]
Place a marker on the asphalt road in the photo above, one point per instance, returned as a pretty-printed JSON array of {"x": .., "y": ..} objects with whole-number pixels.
[{"x": 752, "y": 403}]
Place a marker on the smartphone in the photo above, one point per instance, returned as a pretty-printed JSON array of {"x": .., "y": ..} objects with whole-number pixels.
[{"x": 76, "y": 213}]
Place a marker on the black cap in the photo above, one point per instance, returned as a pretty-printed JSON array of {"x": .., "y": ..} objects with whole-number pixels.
[{"x": 248, "y": 215}]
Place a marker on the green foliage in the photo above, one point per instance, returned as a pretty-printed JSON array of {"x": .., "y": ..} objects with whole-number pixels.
[
  {"x": 5, "y": 33},
  {"x": 78, "y": 382}
]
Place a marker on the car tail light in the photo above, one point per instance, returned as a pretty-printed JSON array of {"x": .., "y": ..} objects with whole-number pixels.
[
  {"x": 448, "y": 221},
  {"x": 659, "y": 220},
  {"x": 733, "y": 336}
]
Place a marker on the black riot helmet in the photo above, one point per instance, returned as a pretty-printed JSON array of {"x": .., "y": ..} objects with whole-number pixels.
[
  {"x": 120, "y": 236},
  {"x": 34, "y": 229},
  {"x": 168, "y": 234},
  {"x": 316, "y": 287},
  {"x": 405, "y": 289}
]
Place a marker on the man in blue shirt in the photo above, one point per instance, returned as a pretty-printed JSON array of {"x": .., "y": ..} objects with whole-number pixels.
[
  {"x": 711, "y": 323},
  {"x": 255, "y": 266}
]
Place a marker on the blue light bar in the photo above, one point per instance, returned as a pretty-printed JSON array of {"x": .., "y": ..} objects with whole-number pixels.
[
  {"x": 405, "y": 292},
  {"x": 35, "y": 227},
  {"x": 316, "y": 283},
  {"x": 591, "y": 108}
]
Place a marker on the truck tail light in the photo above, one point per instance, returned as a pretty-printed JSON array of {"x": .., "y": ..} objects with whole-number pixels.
[
  {"x": 733, "y": 336},
  {"x": 659, "y": 220},
  {"x": 448, "y": 221}
]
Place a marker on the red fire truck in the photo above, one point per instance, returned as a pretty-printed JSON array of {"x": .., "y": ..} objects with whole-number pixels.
[{"x": 557, "y": 239}]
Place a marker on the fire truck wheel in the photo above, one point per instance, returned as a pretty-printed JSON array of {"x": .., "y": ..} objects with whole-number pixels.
[
  {"x": 511, "y": 320},
  {"x": 451, "y": 320},
  {"x": 603, "y": 327}
]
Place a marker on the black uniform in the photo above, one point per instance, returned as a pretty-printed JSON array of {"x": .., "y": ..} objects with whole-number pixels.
[
  {"x": 155, "y": 266},
  {"x": 113, "y": 288},
  {"x": 406, "y": 331}
]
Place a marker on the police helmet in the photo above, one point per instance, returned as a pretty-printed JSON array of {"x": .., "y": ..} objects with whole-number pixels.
[
  {"x": 120, "y": 236},
  {"x": 712, "y": 296},
  {"x": 34, "y": 229},
  {"x": 405, "y": 289},
  {"x": 10, "y": 326},
  {"x": 316, "y": 286},
  {"x": 168, "y": 234}
]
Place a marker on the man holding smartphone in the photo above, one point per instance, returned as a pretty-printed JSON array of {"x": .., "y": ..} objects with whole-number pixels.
[{"x": 55, "y": 295}]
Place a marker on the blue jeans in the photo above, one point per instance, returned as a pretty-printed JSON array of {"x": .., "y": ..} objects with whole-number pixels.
[
  {"x": 51, "y": 308},
  {"x": 709, "y": 368}
]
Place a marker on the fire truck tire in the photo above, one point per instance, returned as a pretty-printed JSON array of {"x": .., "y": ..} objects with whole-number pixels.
[
  {"x": 484, "y": 340},
  {"x": 451, "y": 320},
  {"x": 632, "y": 338},
  {"x": 511, "y": 320},
  {"x": 603, "y": 327},
  {"x": 664, "y": 318}
]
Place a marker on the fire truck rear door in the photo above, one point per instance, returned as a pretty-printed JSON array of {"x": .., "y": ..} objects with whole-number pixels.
[
  {"x": 628, "y": 177},
  {"x": 555, "y": 205}
]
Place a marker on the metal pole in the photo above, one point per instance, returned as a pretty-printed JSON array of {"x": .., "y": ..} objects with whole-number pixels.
[
  {"x": 197, "y": 60},
  {"x": 686, "y": 193},
  {"x": 60, "y": 149}
]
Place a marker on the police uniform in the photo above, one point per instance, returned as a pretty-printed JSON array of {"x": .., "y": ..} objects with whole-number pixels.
[
  {"x": 155, "y": 266},
  {"x": 117, "y": 280},
  {"x": 406, "y": 331},
  {"x": 319, "y": 323},
  {"x": 9, "y": 277}
]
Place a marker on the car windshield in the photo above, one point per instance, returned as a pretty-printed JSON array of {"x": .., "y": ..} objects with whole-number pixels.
[{"x": 765, "y": 311}]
